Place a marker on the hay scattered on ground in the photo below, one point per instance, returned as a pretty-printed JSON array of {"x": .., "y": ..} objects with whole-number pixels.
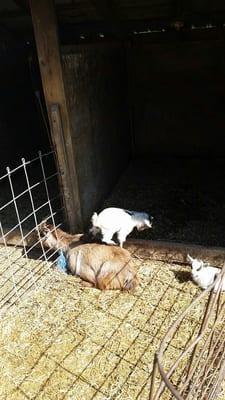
[
  {"x": 222, "y": 393},
  {"x": 18, "y": 275},
  {"x": 69, "y": 342}
]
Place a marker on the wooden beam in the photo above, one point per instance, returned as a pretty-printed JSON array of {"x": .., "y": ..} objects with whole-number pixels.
[
  {"x": 70, "y": 33},
  {"x": 173, "y": 252},
  {"x": 45, "y": 30},
  {"x": 106, "y": 10},
  {"x": 23, "y": 4}
]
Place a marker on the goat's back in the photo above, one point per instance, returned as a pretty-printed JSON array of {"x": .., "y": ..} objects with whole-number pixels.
[
  {"x": 95, "y": 254},
  {"x": 105, "y": 267}
]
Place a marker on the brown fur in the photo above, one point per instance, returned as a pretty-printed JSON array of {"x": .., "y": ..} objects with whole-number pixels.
[
  {"x": 104, "y": 267},
  {"x": 56, "y": 238}
]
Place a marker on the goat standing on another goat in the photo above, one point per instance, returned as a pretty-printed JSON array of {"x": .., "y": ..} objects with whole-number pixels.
[
  {"x": 204, "y": 275},
  {"x": 102, "y": 266},
  {"x": 117, "y": 220}
]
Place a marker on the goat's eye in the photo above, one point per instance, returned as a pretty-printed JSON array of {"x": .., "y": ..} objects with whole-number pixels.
[{"x": 199, "y": 268}]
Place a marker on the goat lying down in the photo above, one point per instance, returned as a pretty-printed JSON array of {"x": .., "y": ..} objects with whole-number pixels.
[
  {"x": 204, "y": 275},
  {"x": 99, "y": 265},
  {"x": 117, "y": 220}
]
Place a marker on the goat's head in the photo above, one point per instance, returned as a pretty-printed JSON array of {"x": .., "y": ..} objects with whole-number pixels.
[
  {"x": 144, "y": 221},
  {"x": 55, "y": 238},
  {"x": 196, "y": 264},
  {"x": 49, "y": 235}
]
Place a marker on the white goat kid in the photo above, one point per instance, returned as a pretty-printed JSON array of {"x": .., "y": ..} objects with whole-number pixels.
[
  {"x": 203, "y": 274},
  {"x": 117, "y": 220}
]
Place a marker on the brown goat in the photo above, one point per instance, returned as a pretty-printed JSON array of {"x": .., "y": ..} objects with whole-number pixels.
[
  {"x": 102, "y": 266},
  {"x": 56, "y": 238}
]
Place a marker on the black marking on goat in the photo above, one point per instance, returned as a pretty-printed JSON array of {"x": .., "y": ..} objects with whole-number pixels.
[
  {"x": 129, "y": 212},
  {"x": 93, "y": 235},
  {"x": 216, "y": 274}
]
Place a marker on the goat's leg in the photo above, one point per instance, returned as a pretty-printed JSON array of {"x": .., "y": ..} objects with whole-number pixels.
[
  {"x": 122, "y": 235},
  {"x": 109, "y": 276},
  {"x": 107, "y": 236},
  {"x": 87, "y": 284},
  {"x": 87, "y": 275}
]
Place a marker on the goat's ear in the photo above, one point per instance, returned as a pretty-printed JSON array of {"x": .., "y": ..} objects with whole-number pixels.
[
  {"x": 40, "y": 228},
  {"x": 148, "y": 223},
  {"x": 189, "y": 258},
  {"x": 202, "y": 263},
  {"x": 43, "y": 225}
]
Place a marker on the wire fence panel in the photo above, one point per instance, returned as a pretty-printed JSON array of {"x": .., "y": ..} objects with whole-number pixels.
[
  {"x": 28, "y": 194},
  {"x": 199, "y": 369},
  {"x": 190, "y": 362}
]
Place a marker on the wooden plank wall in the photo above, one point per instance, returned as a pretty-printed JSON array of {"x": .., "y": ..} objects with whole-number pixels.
[
  {"x": 45, "y": 29},
  {"x": 22, "y": 133},
  {"x": 96, "y": 87},
  {"x": 178, "y": 97}
]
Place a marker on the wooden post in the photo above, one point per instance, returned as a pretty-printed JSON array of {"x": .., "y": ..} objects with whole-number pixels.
[{"x": 45, "y": 30}]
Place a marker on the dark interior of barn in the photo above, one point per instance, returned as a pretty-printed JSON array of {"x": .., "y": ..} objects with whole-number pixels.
[{"x": 144, "y": 84}]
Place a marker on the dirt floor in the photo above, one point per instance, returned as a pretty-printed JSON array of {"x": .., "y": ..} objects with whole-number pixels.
[
  {"x": 64, "y": 341},
  {"x": 185, "y": 196}
]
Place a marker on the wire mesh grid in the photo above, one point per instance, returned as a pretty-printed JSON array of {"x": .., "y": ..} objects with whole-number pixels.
[
  {"x": 109, "y": 338},
  {"x": 29, "y": 194},
  {"x": 199, "y": 369}
]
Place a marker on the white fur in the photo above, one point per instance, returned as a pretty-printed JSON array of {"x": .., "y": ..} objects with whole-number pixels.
[
  {"x": 78, "y": 264},
  {"x": 117, "y": 220},
  {"x": 203, "y": 274}
]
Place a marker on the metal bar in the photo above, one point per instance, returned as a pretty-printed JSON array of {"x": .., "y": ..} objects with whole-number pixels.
[
  {"x": 154, "y": 371},
  {"x": 201, "y": 374},
  {"x": 27, "y": 217},
  {"x": 47, "y": 193},
  {"x": 27, "y": 191},
  {"x": 27, "y": 280},
  {"x": 18, "y": 218},
  {"x": 216, "y": 387},
  {"x": 9, "y": 261},
  {"x": 167, "y": 382},
  {"x": 172, "y": 330},
  {"x": 211, "y": 302},
  {"x": 18, "y": 258}
]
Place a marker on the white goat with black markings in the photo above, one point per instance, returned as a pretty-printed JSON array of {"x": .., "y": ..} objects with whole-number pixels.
[
  {"x": 204, "y": 274},
  {"x": 117, "y": 220}
]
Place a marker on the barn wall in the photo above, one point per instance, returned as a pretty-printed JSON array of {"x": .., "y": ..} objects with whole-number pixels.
[
  {"x": 178, "y": 97},
  {"x": 22, "y": 133},
  {"x": 96, "y": 85}
]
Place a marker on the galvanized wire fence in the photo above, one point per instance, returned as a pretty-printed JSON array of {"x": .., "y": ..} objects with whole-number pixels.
[
  {"x": 28, "y": 194},
  {"x": 199, "y": 369}
]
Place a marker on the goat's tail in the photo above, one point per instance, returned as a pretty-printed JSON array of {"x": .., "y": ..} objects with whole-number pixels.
[{"x": 94, "y": 219}]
